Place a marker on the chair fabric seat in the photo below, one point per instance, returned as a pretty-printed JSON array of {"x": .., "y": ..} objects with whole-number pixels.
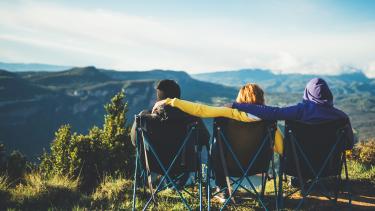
[
  {"x": 316, "y": 142},
  {"x": 245, "y": 139},
  {"x": 166, "y": 138}
]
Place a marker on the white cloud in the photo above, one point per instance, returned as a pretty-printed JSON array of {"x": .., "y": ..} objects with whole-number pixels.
[
  {"x": 50, "y": 33},
  {"x": 284, "y": 62},
  {"x": 370, "y": 69}
]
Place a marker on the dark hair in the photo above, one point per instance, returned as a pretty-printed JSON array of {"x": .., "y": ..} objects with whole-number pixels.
[{"x": 167, "y": 89}]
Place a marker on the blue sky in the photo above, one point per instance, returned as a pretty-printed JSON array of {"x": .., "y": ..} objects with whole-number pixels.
[{"x": 329, "y": 36}]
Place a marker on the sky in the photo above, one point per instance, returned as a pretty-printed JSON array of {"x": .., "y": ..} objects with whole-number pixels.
[{"x": 305, "y": 36}]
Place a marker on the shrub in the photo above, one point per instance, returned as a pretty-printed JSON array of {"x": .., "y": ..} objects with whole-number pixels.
[
  {"x": 12, "y": 165},
  {"x": 364, "y": 152},
  {"x": 106, "y": 150},
  {"x": 4, "y": 192},
  {"x": 360, "y": 172}
]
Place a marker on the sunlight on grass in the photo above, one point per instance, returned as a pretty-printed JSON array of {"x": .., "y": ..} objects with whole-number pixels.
[
  {"x": 59, "y": 192},
  {"x": 112, "y": 193},
  {"x": 4, "y": 184},
  {"x": 39, "y": 193},
  {"x": 358, "y": 171}
]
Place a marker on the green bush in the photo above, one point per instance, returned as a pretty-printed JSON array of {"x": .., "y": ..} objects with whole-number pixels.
[
  {"x": 4, "y": 192},
  {"x": 364, "y": 152},
  {"x": 12, "y": 165},
  {"x": 360, "y": 172},
  {"x": 106, "y": 150}
]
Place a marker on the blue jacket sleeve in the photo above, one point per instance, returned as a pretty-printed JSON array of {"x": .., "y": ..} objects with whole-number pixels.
[{"x": 269, "y": 112}]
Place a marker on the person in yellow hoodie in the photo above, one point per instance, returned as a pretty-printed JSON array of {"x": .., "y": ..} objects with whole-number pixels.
[{"x": 249, "y": 93}]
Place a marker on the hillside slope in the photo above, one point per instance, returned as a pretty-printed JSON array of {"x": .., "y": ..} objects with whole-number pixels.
[{"x": 33, "y": 105}]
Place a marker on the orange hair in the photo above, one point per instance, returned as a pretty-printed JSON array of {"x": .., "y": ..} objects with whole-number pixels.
[{"x": 251, "y": 93}]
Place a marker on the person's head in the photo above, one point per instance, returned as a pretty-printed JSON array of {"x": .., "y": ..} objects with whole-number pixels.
[
  {"x": 251, "y": 93},
  {"x": 317, "y": 91},
  {"x": 167, "y": 89}
]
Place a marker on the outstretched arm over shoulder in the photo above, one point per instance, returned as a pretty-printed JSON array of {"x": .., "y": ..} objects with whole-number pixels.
[
  {"x": 205, "y": 111},
  {"x": 201, "y": 110},
  {"x": 270, "y": 113}
]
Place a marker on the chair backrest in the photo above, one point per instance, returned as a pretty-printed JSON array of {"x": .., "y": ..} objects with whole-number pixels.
[
  {"x": 166, "y": 137},
  {"x": 245, "y": 139},
  {"x": 315, "y": 142}
]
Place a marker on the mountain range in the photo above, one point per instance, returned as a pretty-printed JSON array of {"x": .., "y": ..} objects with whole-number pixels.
[
  {"x": 34, "y": 104},
  {"x": 353, "y": 92}
]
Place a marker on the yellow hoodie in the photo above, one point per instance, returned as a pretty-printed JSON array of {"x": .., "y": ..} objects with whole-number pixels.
[{"x": 206, "y": 111}]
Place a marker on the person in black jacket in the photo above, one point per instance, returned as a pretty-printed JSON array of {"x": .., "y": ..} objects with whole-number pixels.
[{"x": 167, "y": 126}]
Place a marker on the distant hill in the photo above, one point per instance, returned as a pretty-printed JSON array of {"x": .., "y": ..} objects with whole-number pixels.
[
  {"x": 13, "y": 87},
  {"x": 72, "y": 78},
  {"x": 34, "y": 104},
  {"x": 16, "y": 67},
  {"x": 340, "y": 84}
]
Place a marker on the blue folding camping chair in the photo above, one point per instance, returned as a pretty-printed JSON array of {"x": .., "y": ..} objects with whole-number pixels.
[
  {"x": 315, "y": 154},
  {"x": 171, "y": 155},
  {"x": 241, "y": 150}
]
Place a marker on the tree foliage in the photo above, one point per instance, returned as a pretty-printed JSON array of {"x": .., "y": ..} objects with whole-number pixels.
[
  {"x": 103, "y": 151},
  {"x": 12, "y": 165},
  {"x": 364, "y": 152}
]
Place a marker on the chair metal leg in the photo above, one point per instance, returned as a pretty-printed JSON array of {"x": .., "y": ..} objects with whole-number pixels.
[
  {"x": 167, "y": 171},
  {"x": 135, "y": 182},
  {"x": 281, "y": 179},
  {"x": 144, "y": 182},
  {"x": 347, "y": 182},
  {"x": 208, "y": 178},
  {"x": 200, "y": 179},
  {"x": 244, "y": 172},
  {"x": 263, "y": 187},
  {"x": 338, "y": 181},
  {"x": 274, "y": 181},
  {"x": 239, "y": 184}
]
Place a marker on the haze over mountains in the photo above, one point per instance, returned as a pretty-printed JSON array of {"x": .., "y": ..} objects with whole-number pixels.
[
  {"x": 34, "y": 104},
  {"x": 17, "y": 67},
  {"x": 353, "y": 82}
]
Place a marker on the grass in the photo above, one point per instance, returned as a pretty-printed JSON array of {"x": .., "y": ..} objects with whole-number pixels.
[
  {"x": 38, "y": 193},
  {"x": 58, "y": 192},
  {"x": 112, "y": 194},
  {"x": 4, "y": 192},
  {"x": 360, "y": 172}
]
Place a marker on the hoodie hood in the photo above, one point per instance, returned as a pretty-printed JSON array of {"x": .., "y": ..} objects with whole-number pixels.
[{"x": 317, "y": 91}]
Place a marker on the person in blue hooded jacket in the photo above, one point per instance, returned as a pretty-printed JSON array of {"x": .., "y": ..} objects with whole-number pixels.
[{"x": 316, "y": 106}]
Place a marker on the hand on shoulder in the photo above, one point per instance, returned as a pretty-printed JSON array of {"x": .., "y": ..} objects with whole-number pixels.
[{"x": 157, "y": 105}]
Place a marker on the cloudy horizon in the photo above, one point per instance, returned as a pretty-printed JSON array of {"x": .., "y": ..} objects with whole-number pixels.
[{"x": 313, "y": 37}]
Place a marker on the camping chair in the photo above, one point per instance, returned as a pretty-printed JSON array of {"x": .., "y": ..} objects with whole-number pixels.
[
  {"x": 314, "y": 153},
  {"x": 166, "y": 156},
  {"x": 244, "y": 150}
]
